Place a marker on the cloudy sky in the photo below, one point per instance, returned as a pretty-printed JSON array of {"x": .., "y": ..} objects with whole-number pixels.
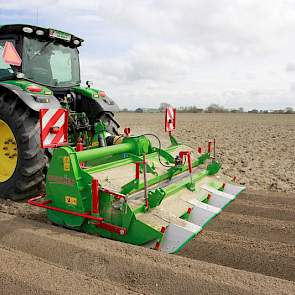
[{"x": 186, "y": 52}]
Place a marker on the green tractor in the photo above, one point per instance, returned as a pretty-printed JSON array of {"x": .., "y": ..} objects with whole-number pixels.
[
  {"x": 97, "y": 181},
  {"x": 39, "y": 69}
]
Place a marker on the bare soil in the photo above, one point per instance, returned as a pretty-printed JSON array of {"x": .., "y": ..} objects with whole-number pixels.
[
  {"x": 41, "y": 259},
  {"x": 257, "y": 149},
  {"x": 248, "y": 249},
  {"x": 241, "y": 238}
]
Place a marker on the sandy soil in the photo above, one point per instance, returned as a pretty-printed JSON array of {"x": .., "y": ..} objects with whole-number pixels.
[
  {"x": 258, "y": 149},
  {"x": 255, "y": 233},
  {"x": 248, "y": 249},
  {"x": 42, "y": 259}
]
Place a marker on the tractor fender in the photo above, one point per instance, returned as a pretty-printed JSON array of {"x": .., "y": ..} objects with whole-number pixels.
[
  {"x": 107, "y": 104},
  {"x": 92, "y": 106},
  {"x": 91, "y": 102},
  {"x": 30, "y": 100}
]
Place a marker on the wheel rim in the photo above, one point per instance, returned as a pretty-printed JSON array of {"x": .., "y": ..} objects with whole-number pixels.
[{"x": 8, "y": 152}]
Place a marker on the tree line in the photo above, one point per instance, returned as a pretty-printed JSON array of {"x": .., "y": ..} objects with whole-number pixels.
[{"x": 213, "y": 108}]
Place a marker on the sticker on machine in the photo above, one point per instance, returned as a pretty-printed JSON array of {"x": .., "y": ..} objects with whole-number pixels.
[{"x": 71, "y": 200}]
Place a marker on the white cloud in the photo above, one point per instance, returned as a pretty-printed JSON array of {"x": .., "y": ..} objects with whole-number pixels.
[
  {"x": 236, "y": 53},
  {"x": 290, "y": 67}
]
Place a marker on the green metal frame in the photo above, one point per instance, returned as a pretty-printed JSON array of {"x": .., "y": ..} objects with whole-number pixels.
[{"x": 66, "y": 179}]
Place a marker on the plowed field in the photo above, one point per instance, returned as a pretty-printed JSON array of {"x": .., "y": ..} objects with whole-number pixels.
[{"x": 248, "y": 249}]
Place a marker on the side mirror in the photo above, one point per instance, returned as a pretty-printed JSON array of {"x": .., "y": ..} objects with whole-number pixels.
[{"x": 89, "y": 84}]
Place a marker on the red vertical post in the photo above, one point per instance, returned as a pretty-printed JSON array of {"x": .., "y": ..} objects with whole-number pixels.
[
  {"x": 187, "y": 154},
  {"x": 190, "y": 167},
  {"x": 166, "y": 121},
  {"x": 199, "y": 150},
  {"x": 95, "y": 196},
  {"x": 137, "y": 170},
  {"x": 209, "y": 146},
  {"x": 174, "y": 121},
  {"x": 79, "y": 145},
  {"x": 79, "y": 148},
  {"x": 189, "y": 162},
  {"x": 145, "y": 183}
]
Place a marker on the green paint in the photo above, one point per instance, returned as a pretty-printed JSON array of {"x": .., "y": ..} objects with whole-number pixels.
[
  {"x": 133, "y": 145},
  {"x": 173, "y": 140},
  {"x": 213, "y": 168},
  {"x": 23, "y": 85},
  {"x": 156, "y": 197},
  {"x": 87, "y": 91},
  {"x": 69, "y": 187}
]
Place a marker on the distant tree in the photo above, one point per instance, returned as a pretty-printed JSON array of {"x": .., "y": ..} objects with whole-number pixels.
[
  {"x": 215, "y": 108},
  {"x": 125, "y": 110},
  {"x": 254, "y": 111},
  {"x": 278, "y": 111},
  {"x": 163, "y": 106},
  {"x": 139, "y": 110},
  {"x": 199, "y": 110},
  {"x": 289, "y": 110},
  {"x": 190, "y": 109},
  {"x": 194, "y": 109}
]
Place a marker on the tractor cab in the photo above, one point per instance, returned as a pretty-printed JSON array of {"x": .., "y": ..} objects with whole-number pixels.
[
  {"x": 43, "y": 62},
  {"x": 44, "y": 56},
  {"x": 40, "y": 70}
]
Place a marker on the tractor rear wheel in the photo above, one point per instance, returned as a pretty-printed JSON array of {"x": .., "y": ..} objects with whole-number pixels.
[{"x": 22, "y": 162}]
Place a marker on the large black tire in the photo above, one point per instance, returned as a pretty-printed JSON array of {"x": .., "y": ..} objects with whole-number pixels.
[{"x": 27, "y": 179}]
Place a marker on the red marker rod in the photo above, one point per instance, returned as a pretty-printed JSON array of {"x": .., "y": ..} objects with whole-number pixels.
[
  {"x": 95, "y": 196},
  {"x": 209, "y": 146},
  {"x": 137, "y": 170},
  {"x": 145, "y": 183}
]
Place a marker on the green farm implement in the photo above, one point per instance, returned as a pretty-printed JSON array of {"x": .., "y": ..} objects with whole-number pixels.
[
  {"x": 135, "y": 192},
  {"x": 62, "y": 138}
]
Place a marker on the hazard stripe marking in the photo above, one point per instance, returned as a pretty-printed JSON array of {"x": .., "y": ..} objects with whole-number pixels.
[{"x": 50, "y": 118}]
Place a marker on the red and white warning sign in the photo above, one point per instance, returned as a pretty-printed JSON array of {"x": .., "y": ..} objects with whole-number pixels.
[
  {"x": 10, "y": 55},
  {"x": 170, "y": 119},
  {"x": 54, "y": 127}
]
